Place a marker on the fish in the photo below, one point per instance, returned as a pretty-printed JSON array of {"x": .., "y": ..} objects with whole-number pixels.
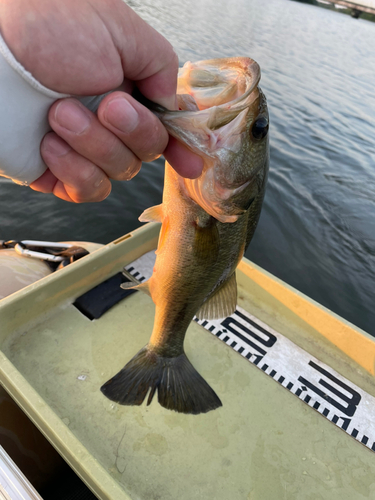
[{"x": 207, "y": 224}]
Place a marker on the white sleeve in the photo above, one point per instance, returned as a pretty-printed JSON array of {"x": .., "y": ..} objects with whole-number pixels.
[{"x": 24, "y": 105}]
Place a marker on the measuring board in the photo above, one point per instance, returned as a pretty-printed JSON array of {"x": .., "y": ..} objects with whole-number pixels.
[{"x": 315, "y": 383}]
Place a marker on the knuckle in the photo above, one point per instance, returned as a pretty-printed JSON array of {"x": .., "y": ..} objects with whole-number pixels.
[
  {"x": 109, "y": 151},
  {"x": 155, "y": 141},
  {"x": 127, "y": 173},
  {"x": 89, "y": 183},
  {"x": 118, "y": 160},
  {"x": 84, "y": 195},
  {"x": 53, "y": 148},
  {"x": 86, "y": 175}
]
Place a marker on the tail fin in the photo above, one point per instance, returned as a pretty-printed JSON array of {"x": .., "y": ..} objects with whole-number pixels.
[{"x": 180, "y": 387}]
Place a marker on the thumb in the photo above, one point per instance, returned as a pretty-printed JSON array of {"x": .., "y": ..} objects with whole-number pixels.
[{"x": 147, "y": 57}]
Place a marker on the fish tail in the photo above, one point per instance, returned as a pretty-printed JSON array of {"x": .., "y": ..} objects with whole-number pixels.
[{"x": 179, "y": 385}]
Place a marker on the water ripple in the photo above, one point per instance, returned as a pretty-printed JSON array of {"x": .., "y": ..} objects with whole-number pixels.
[{"x": 317, "y": 228}]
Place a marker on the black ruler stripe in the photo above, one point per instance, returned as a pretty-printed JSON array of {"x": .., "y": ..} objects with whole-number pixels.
[
  {"x": 249, "y": 342},
  {"x": 364, "y": 440},
  {"x": 253, "y": 323}
]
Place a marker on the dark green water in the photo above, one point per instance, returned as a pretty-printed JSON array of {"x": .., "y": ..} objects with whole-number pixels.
[{"x": 317, "y": 228}]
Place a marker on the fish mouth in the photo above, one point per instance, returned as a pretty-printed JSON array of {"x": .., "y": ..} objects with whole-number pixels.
[
  {"x": 218, "y": 82},
  {"x": 218, "y": 99},
  {"x": 214, "y": 108}
]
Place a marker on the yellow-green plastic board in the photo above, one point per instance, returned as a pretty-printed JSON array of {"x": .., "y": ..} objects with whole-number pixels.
[{"x": 263, "y": 444}]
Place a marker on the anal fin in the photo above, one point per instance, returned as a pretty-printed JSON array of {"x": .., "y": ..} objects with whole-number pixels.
[
  {"x": 222, "y": 302},
  {"x": 152, "y": 214}
]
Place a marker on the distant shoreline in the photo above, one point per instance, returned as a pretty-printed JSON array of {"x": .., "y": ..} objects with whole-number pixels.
[{"x": 339, "y": 9}]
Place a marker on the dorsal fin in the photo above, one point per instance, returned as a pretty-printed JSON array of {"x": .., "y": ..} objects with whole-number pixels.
[
  {"x": 152, "y": 214},
  {"x": 222, "y": 302}
]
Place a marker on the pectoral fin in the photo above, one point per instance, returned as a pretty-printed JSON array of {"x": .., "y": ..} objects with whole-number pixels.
[
  {"x": 152, "y": 214},
  {"x": 222, "y": 302}
]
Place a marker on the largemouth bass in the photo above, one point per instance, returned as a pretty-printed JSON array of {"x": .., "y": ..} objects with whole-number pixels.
[{"x": 207, "y": 223}]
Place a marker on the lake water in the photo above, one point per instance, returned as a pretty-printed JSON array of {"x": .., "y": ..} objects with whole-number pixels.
[{"x": 317, "y": 228}]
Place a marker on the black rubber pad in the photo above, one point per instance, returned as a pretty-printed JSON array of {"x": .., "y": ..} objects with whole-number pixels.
[{"x": 101, "y": 298}]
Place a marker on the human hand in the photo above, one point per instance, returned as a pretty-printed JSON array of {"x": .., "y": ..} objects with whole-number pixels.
[{"x": 88, "y": 48}]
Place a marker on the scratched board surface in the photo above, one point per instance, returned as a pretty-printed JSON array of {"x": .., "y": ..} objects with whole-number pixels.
[{"x": 318, "y": 385}]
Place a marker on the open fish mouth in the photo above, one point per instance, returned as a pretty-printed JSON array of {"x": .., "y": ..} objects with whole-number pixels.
[
  {"x": 219, "y": 99},
  {"x": 217, "y": 82}
]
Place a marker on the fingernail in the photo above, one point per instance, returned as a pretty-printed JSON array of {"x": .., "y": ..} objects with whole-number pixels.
[
  {"x": 72, "y": 116},
  {"x": 121, "y": 114},
  {"x": 56, "y": 146}
]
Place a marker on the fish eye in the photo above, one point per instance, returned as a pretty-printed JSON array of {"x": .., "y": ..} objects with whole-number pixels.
[{"x": 259, "y": 129}]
